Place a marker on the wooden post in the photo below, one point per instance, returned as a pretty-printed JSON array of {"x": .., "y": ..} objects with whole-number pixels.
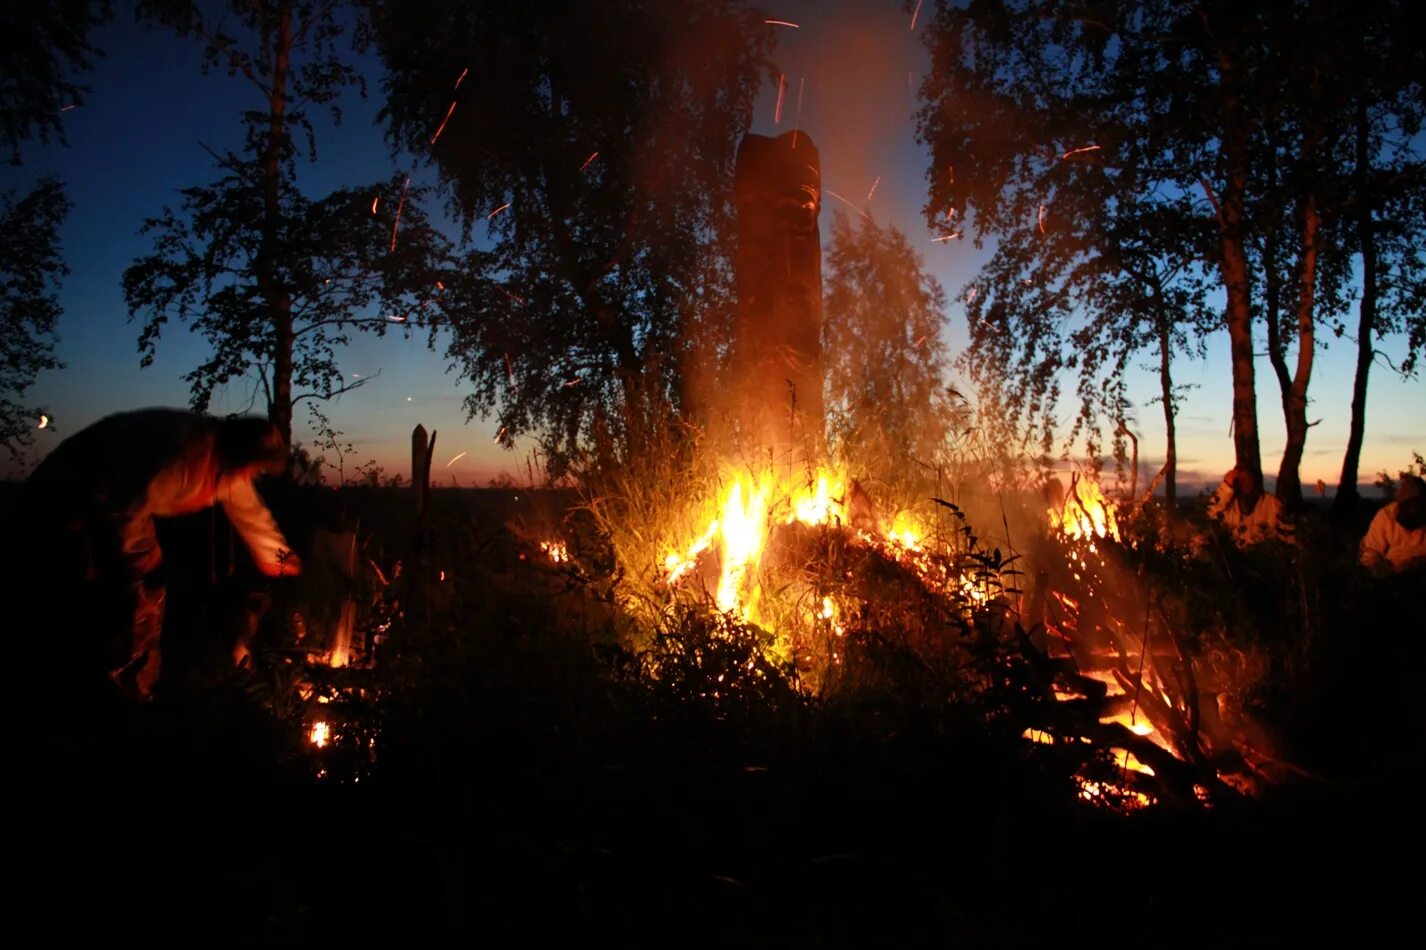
[{"x": 419, "y": 596}]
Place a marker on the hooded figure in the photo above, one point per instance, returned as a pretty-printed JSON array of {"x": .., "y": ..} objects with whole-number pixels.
[
  {"x": 1396, "y": 538},
  {"x": 1247, "y": 510},
  {"x": 104, "y": 486}
]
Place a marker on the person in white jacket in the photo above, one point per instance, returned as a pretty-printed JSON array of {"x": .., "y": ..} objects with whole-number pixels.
[
  {"x": 107, "y": 483},
  {"x": 1396, "y": 538},
  {"x": 1250, "y": 513}
]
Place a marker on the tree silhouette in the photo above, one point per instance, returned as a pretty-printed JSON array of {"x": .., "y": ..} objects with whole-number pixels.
[
  {"x": 43, "y": 47},
  {"x": 1218, "y": 124},
  {"x": 590, "y": 149},
  {"x": 883, "y": 355},
  {"x": 270, "y": 277},
  {"x": 29, "y": 302}
]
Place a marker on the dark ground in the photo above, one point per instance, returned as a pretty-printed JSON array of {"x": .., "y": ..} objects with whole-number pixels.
[{"x": 524, "y": 794}]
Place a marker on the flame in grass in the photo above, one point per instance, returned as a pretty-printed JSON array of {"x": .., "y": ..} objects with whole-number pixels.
[
  {"x": 320, "y": 734},
  {"x": 751, "y": 506},
  {"x": 556, "y": 551}
]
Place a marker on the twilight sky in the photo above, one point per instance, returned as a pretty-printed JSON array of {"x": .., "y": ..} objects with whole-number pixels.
[{"x": 136, "y": 142}]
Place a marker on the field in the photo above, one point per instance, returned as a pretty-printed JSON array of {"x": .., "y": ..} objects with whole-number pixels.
[{"x": 508, "y": 759}]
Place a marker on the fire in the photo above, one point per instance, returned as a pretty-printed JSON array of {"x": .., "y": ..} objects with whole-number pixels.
[
  {"x": 746, "y": 514},
  {"x": 320, "y": 735},
  {"x": 1086, "y": 513},
  {"x": 556, "y": 551}
]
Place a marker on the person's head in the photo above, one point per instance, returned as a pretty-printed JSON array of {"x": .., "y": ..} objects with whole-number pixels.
[
  {"x": 252, "y": 444},
  {"x": 1411, "y": 502}
]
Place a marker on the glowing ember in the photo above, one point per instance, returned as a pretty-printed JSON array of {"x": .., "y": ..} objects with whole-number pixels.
[
  {"x": 399, "y": 205},
  {"x": 442, "y": 127},
  {"x": 556, "y": 551},
  {"x": 320, "y": 735}
]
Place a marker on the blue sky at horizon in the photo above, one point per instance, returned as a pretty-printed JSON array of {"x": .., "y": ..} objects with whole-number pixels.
[{"x": 135, "y": 142}]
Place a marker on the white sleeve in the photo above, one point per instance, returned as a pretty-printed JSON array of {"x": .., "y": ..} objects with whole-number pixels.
[
  {"x": 259, "y": 531},
  {"x": 1374, "y": 543}
]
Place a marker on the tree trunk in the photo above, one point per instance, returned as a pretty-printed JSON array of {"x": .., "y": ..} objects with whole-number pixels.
[
  {"x": 1240, "y": 337},
  {"x": 1272, "y": 294},
  {"x": 1234, "y": 266},
  {"x": 1289, "y": 477},
  {"x": 1366, "y": 321},
  {"x": 1170, "y": 411},
  {"x": 279, "y": 304}
]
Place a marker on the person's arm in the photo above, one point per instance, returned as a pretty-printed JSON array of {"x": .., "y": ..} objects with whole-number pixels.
[
  {"x": 255, "y": 524},
  {"x": 1375, "y": 544}
]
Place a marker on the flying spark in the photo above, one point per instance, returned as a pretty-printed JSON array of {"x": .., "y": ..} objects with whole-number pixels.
[
  {"x": 970, "y": 296},
  {"x": 873, "y": 188},
  {"x": 399, "y": 205},
  {"x": 374, "y": 202},
  {"x": 461, "y": 77},
  {"x": 783, "y": 23},
  {"x": 44, "y": 421},
  {"x": 917, "y": 344},
  {"x": 497, "y": 211},
  {"x": 509, "y": 369},
  {"x": 947, "y": 237},
  {"x": 592, "y": 156},
  {"x": 442, "y": 126},
  {"x": 781, "y": 91},
  {"x": 571, "y": 382},
  {"x": 1042, "y": 219},
  {"x": 915, "y": 13},
  {"x": 68, "y": 107},
  {"x": 440, "y": 285},
  {"x": 848, "y": 203},
  {"x": 797, "y": 119},
  {"x": 501, "y": 434},
  {"x": 394, "y": 318},
  {"x": 1077, "y": 151},
  {"x": 515, "y": 297},
  {"x": 455, "y": 460}
]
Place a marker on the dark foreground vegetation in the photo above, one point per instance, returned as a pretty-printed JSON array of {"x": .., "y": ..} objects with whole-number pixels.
[{"x": 508, "y": 773}]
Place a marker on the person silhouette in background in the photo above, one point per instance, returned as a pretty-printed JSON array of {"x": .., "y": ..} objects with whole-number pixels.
[
  {"x": 91, "y": 505},
  {"x": 1396, "y": 539}
]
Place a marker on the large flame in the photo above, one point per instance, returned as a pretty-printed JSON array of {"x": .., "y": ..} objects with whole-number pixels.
[
  {"x": 1086, "y": 513},
  {"x": 745, "y": 515}
]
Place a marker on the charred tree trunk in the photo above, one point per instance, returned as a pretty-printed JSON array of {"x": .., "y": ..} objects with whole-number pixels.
[
  {"x": 778, "y": 338},
  {"x": 1366, "y": 320},
  {"x": 279, "y": 304}
]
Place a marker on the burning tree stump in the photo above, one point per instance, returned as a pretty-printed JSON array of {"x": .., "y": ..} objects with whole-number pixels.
[{"x": 778, "y": 340}]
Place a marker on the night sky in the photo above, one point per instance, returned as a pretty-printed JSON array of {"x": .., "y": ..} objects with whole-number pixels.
[{"x": 136, "y": 141}]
